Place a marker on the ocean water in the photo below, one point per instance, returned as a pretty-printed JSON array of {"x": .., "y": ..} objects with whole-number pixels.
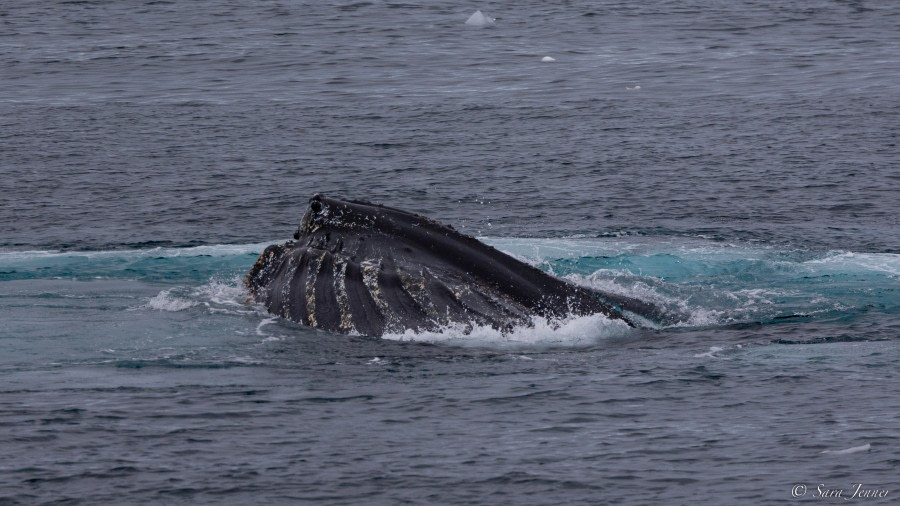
[{"x": 735, "y": 162}]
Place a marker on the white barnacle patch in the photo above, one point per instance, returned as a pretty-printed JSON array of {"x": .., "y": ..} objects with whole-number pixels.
[
  {"x": 286, "y": 284},
  {"x": 327, "y": 217},
  {"x": 340, "y": 290},
  {"x": 460, "y": 291},
  {"x": 263, "y": 262},
  {"x": 454, "y": 289},
  {"x": 370, "y": 270},
  {"x": 311, "y": 222},
  {"x": 286, "y": 287},
  {"x": 312, "y": 273},
  {"x": 415, "y": 287}
]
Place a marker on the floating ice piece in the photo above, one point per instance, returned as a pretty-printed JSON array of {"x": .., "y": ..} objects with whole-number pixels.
[
  {"x": 479, "y": 19},
  {"x": 856, "y": 449},
  {"x": 548, "y": 59}
]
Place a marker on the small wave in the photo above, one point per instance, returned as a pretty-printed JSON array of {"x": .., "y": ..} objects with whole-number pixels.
[
  {"x": 214, "y": 250},
  {"x": 263, "y": 323},
  {"x": 573, "y": 331},
  {"x": 185, "y": 363},
  {"x": 153, "y": 263},
  {"x": 846, "y": 451}
]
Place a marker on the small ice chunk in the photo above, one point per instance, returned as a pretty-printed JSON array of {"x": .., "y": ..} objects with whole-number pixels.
[
  {"x": 856, "y": 449},
  {"x": 479, "y": 19},
  {"x": 548, "y": 59}
]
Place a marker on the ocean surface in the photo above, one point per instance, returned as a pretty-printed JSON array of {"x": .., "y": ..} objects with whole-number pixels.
[{"x": 735, "y": 161}]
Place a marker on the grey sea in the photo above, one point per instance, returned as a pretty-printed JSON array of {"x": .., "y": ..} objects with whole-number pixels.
[{"x": 735, "y": 161}]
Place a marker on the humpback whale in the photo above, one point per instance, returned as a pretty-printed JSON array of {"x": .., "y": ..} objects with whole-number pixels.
[{"x": 360, "y": 268}]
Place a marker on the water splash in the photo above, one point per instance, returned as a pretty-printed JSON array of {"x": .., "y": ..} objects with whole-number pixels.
[
  {"x": 573, "y": 331},
  {"x": 165, "y": 301}
]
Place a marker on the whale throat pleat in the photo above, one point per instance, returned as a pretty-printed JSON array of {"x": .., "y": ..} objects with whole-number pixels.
[
  {"x": 309, "y": 288},
  {"x": 294, "y": 300},
  {"x": 405, "y": 312},
  {"x": 286, "y": 297},
  {"x": 444, "y": 301},
  {"x": 365, "y": 313},
  {"x": 343, "y": 300},
  {"x": 327, "y": 308}
]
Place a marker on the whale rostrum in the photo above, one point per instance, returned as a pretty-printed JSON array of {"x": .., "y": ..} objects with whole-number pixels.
[{"x": 361, "y": 268}]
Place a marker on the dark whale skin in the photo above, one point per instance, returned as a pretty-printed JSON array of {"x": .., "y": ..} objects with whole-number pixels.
[{"x": 361, "y": 268}]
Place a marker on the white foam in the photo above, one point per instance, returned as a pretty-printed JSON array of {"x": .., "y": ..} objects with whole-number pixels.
[
  {"x": 263, "y": 323},
  {"x": 856, "y": 449},
  {"x": 608, "y": 281},
  {"x": 691, "y": 308},
  {"x": 216, "y": 295},
  {"x": 887, "y": 263},
  {"x": 572, "y": 331},
  {"x": 548, "y": 59},
  {"x": 222, "y": 293},
  {"x": 479, "y": 19},
  {"x": 165, "y": 301}
]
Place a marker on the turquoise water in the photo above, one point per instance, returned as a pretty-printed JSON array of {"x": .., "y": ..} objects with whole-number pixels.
[{"x": 177, "y": 300}]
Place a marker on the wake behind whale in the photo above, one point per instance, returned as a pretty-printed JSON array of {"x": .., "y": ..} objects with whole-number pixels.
[{"x": 361, "y": 268}]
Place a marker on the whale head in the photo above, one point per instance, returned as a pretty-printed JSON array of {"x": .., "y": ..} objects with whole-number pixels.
[{"x": 359, "y": 267}]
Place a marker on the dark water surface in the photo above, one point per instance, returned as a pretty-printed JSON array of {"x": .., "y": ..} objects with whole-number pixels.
[{"x": 736, "y": 161}]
